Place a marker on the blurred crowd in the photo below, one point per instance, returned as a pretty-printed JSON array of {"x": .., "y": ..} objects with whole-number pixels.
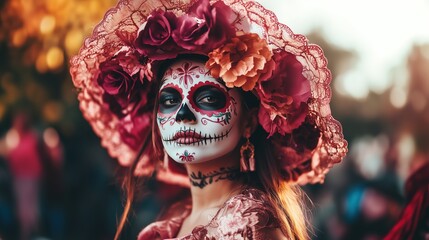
[{"x": 362, "y": 198}]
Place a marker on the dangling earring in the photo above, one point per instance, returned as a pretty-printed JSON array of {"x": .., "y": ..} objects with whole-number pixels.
[{"x": 247, "y": 155}]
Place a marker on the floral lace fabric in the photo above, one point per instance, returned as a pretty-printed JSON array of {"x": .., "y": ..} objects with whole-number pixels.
[{"x": 244, "y": 216}]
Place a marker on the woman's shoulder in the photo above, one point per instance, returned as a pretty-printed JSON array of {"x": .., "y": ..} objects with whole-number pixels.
[
  {"x": 169, "y": 223},
  {"x": 248, "y": 215},
  {"x": 252, "y": 205},
  {"x": 253, "y": 195}
]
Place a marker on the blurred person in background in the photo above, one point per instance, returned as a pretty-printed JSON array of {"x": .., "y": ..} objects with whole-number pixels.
[
  {"x": 52, "y": 188},
  {"x": 362, "y": 198},
  {"x": 414, "y": 220},
  {"x": 25, "y": 163},
  {"x": 35, "y": 165}
]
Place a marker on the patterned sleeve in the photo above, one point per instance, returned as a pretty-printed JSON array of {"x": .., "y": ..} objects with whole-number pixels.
[
  {"x": 168, "y": 224},
  {"x": 246, "y": 216}
]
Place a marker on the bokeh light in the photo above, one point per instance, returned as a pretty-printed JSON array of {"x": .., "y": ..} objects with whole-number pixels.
[
  {"x": 47, "y": 24},
  {"x": 54, "y": 58},
  {"x": 43, "y": 42},
  {"x": 51, "y": 138}
]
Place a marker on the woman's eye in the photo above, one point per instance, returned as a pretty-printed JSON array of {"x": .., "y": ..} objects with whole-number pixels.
[
  {"x": 208, "y": 99},
  {"x": 169, "y": 100}
]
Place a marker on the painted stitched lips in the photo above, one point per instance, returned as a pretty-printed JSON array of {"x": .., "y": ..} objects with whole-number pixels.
[{"x": 189, "y": 136}]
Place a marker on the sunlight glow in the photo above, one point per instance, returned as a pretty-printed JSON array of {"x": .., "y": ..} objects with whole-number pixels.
[{"x": 381, "y": 32}]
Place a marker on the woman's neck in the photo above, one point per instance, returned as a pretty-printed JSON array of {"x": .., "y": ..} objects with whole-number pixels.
[{"x": 213, "y": 182}]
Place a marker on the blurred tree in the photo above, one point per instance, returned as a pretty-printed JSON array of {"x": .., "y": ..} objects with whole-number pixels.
[{"x": 34, "y": 52}]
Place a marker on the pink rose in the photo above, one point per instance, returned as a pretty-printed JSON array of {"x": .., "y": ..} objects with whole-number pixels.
[
  {"x": 292, "y": 162},
  {"x": 306, "y": 136},
  {"x": 118, "y": 85},
  {"x": 135, "y": 127},
  {"x": 125, "y": 82},
  {"x": 154, "y": 38},
  {"x": 293, "y": 173},
  {"x": 284, "y": 96},
  {"x": 205, "y": 27},
  {"x": 135, "y": 64},
  {"x": 271, "y": 126}
]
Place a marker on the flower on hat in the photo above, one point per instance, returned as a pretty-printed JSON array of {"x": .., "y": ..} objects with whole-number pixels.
[
  {"x": 154, "y": 38},
  {"x": 241, "y": 62},
  {"x": 121, "y": 78},
  {"x": 118, "y": 85},
  {"x": 306, "y": 136},
  {"x": 134, "y": 64},
  {"x": 295, "y": 150},
  {"x": 136, "y": 124},
  {"x": 205, "y": 27},
  {"x": 134, "y": 128},
  {"x": 284, "y": 96}
]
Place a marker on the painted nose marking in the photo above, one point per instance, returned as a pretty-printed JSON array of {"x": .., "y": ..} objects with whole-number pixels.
[{"x": 185, "y": 114}]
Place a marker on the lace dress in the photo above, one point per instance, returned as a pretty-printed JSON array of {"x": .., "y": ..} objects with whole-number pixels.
[{"x": 244, "y": 216}]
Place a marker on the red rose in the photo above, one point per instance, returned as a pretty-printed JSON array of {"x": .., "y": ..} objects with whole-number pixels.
[
  {"x": 205, "y": 27},
  {"x": 134, "y": 64},
  {"x": 306, "y": 136},
  {"x": 135, "y": 127},
  {"x": 136, "y": 124},
  {"x": 279, "y": 123},
  {"x": 154, "y": 38},
  {"x": 284, "y": 96},
  {"x": 117, "y": 84},
  {"x": 292, "y": 162}
]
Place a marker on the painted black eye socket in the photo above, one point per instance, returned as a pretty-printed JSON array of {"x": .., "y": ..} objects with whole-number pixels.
[
  {"x": 209, "y": 98},
  {"x": 169, "y": 100}
]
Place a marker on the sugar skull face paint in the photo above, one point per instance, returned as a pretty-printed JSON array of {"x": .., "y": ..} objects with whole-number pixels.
[{"x": 197, "y": 115}]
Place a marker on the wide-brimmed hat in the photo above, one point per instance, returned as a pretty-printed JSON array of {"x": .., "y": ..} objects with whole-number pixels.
[{"x": 115, "y": 73}]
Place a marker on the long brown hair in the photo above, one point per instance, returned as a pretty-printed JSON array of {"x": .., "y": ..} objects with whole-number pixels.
[{"x": 287, "y": 199}]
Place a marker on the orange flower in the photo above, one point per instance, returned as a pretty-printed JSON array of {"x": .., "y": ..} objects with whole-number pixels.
[{"x": 242, "y": 62}]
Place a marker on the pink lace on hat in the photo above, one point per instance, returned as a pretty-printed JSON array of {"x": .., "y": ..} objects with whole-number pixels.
[{"x": 115, "y": 74}]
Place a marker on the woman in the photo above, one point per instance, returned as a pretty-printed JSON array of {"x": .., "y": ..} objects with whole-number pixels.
[{"x": 234, "y": 104}]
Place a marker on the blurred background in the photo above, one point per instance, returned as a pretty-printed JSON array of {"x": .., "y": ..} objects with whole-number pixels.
[{"x": 56, "y": 182}]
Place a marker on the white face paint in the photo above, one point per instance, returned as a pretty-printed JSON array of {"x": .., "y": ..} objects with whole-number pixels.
[{"x": 197, "y": 115}]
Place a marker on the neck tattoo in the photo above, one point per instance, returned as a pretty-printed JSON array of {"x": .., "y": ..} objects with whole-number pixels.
[{"x": 201, "y": 180}]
